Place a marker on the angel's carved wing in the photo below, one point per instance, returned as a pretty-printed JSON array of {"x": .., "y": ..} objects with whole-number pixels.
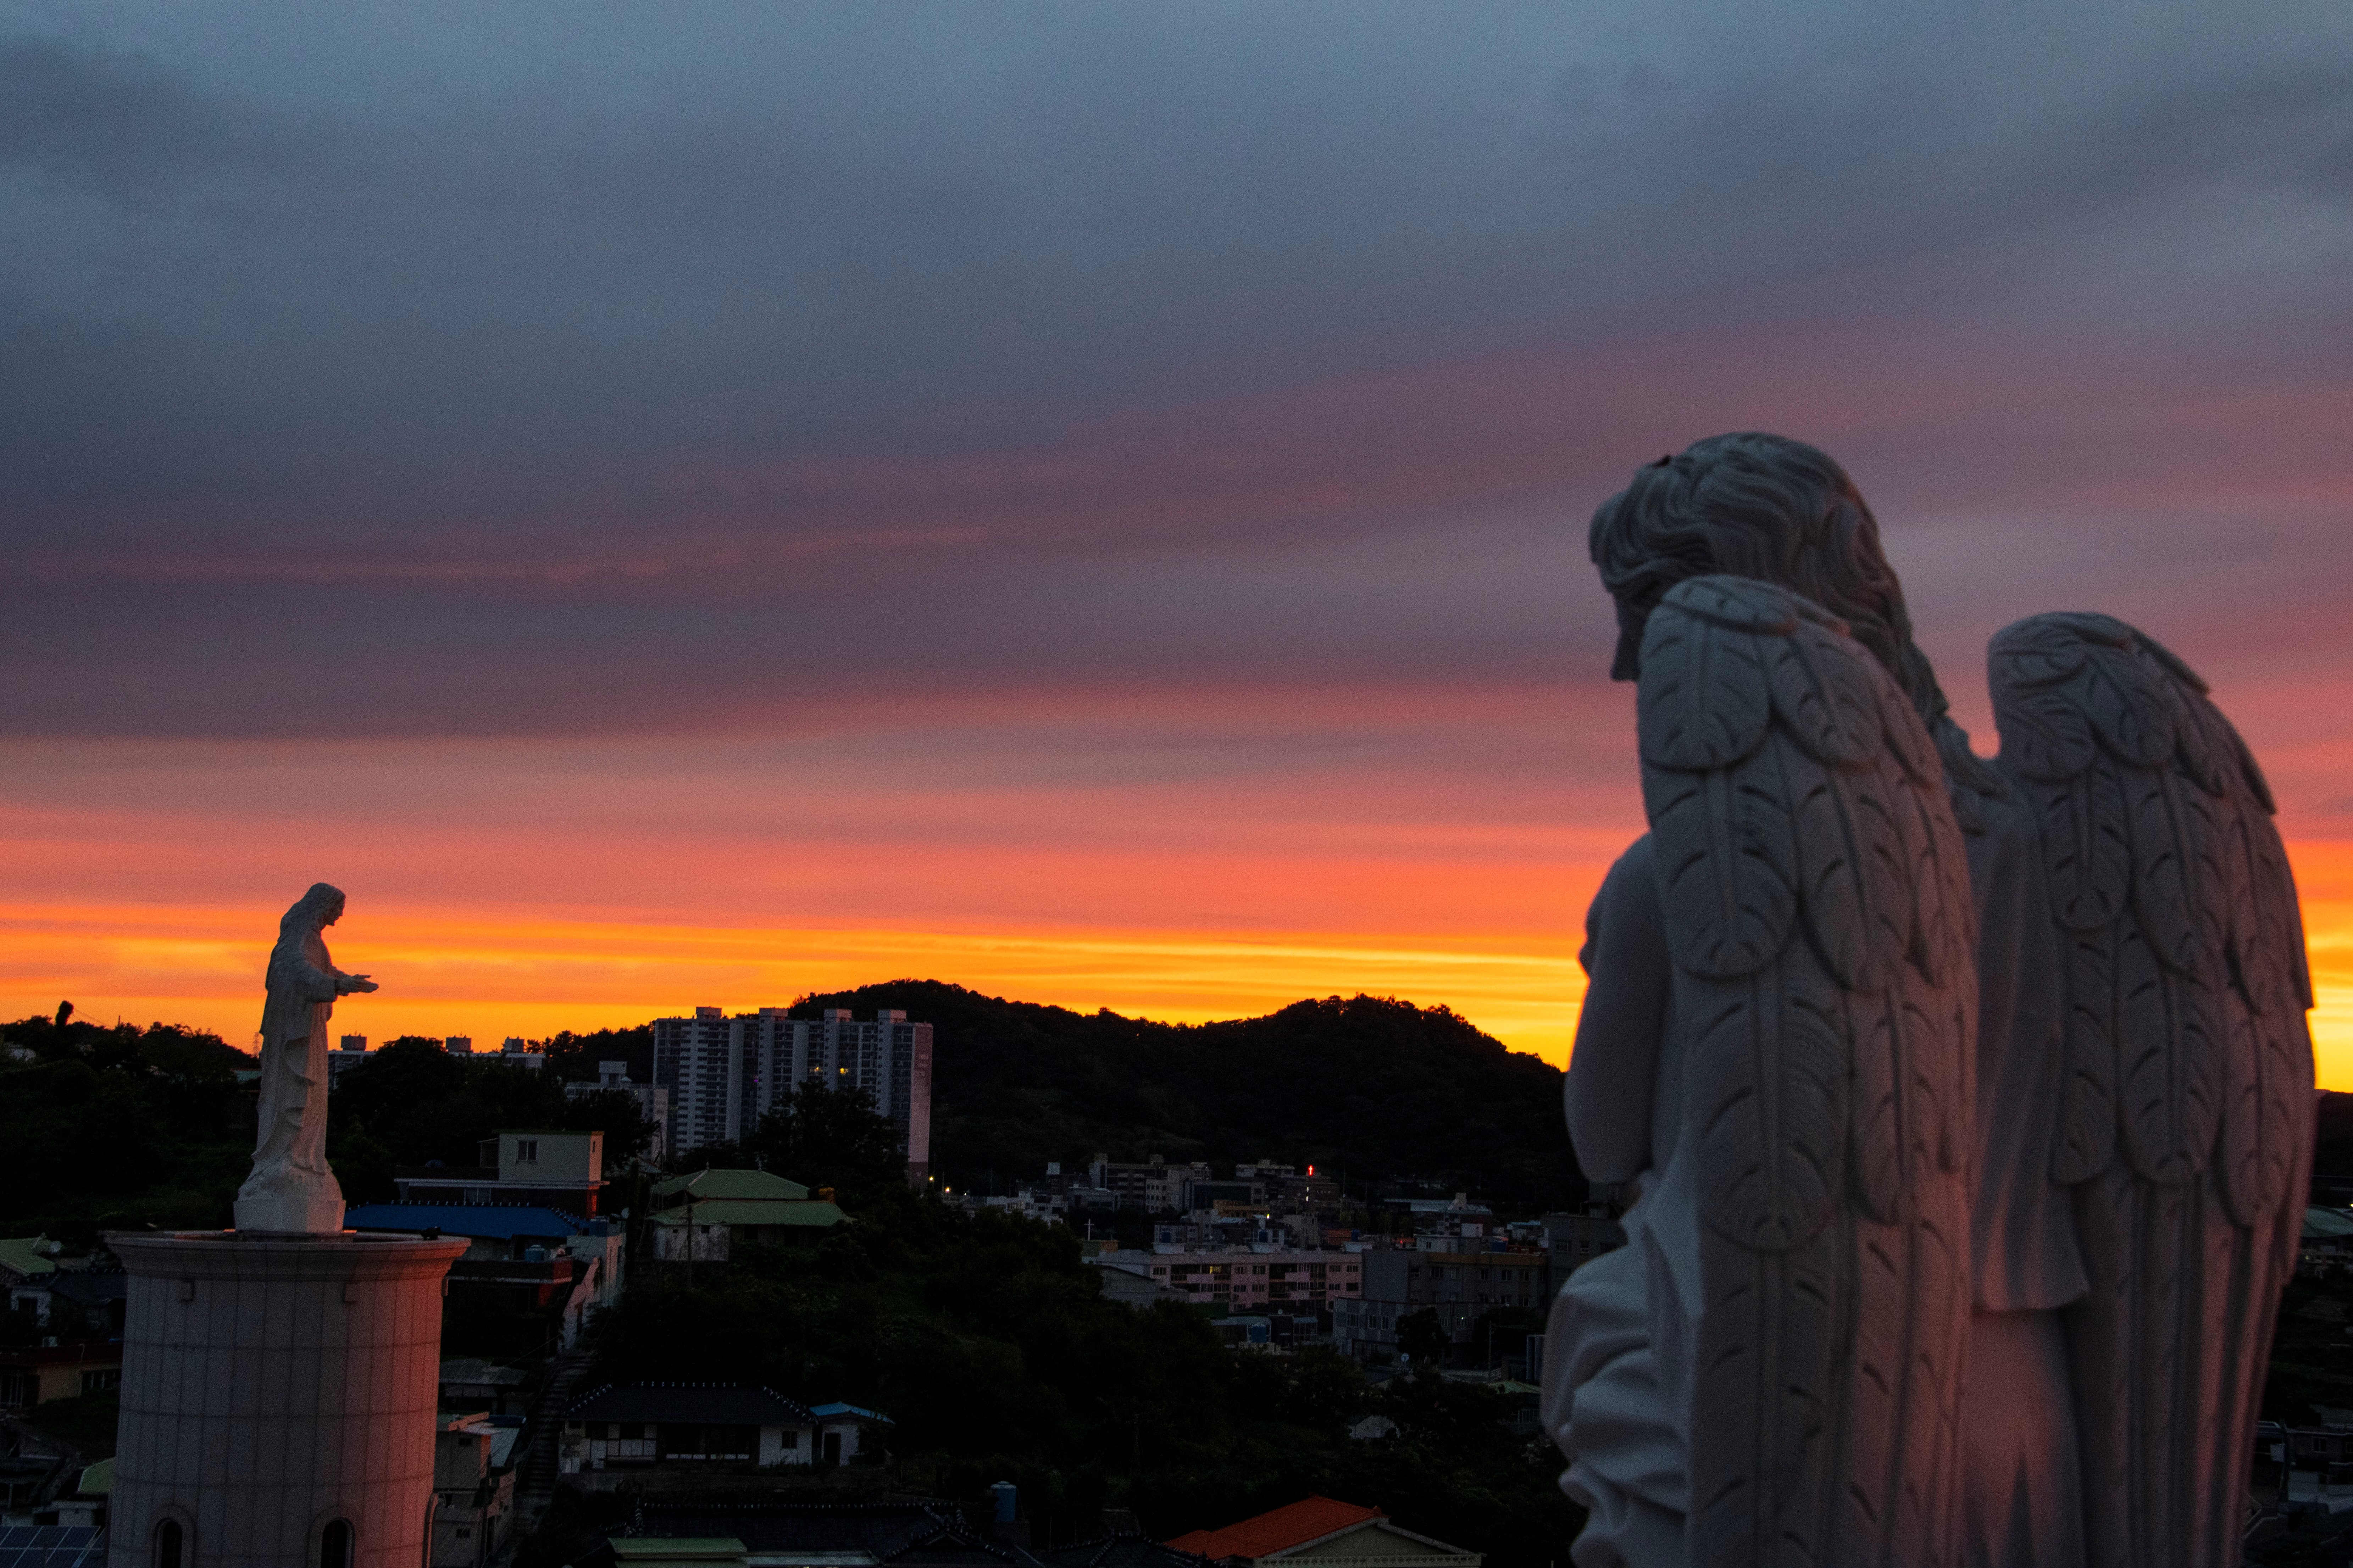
[
  {"x": 2185, "y": 1125},
  {"x": 1817, "y": 902}
]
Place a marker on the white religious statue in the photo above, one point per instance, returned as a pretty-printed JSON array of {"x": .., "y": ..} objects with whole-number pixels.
[
  {"x": 1785, "y": 1053},
  {"x": 292, "y": 1188}
]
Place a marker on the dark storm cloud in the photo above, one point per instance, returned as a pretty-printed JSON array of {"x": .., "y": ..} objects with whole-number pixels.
[{"x": 549, "y": 367}]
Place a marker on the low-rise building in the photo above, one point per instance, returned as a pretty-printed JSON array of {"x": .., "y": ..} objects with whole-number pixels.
[
  {"x": 1256, "y": 1279},
  {"x": 772, "y": 1530},
  {"x": 88, "y": 1303},
  {"x": 1134, "y": 1289},
  {"x": 2327, "y": 1239},
  {"x": 27, "y": 1267},
  {"x": 704, "y": 1426},
  {"x": 473, "y": 1487},
  {"x": 535, "y": 1257},
  {"x": 470, "y": 1384},
  {"x": 1156, "y": 1186},
  {"x": 1326, "y": 1533},
  {"x": 708, "y": 1214},
  {"x": 1427, "y": 1214},
  {"x": 82, "y": 1503},
  {"x": 845, "y": 1432},
  {"x": 35, "y": 1375},
  {"x": 560, "y": 1169},
  {"x": 1461, "y": 1286},
  {"x": 1576, "y": 1239}
]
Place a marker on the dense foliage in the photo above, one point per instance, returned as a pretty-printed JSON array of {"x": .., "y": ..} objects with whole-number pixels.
[
  {"x": 412, "y": 1103},
  {"x": 1369, "y": 1088},
  {"x": 119, "y": 1128},
  {"x": 826, "y": 1138},
  {"x": 989, "y": 1342},
  {"x": 573, "y": 1057}
]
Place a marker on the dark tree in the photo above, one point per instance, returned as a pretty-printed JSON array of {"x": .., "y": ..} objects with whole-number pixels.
[
  {"x": 832, "y": 1138},
  {"x": 118, "y": 1126},
  {"x": 413, "y": 1103},
  {"x": 1421, "y": 1336},
  {"x": 627, "y": 1130}
]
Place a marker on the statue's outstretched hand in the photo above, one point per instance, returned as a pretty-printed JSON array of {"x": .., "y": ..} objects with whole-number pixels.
[{"x": 351, "y": 982}]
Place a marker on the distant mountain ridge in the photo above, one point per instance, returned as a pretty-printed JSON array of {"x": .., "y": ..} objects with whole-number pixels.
[{"x": 1369, "y": 1088}]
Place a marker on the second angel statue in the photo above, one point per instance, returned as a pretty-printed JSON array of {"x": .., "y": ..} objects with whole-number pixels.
[{"x": 1966, "y": 1108}]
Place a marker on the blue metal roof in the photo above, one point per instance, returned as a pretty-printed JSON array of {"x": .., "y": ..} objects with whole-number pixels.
[
  {"x": 826, "y": 1412},
  {"x": 503, "y": 1221}
]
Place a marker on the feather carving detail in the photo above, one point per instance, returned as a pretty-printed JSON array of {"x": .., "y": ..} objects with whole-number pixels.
[
  {"x": 1816, "y": 896},
  {"x": 1830, "y": 704},
  {"x": 1728, "y": 866}
]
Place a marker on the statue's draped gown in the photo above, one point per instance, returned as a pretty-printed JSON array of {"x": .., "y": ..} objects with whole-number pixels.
[{"x": 291, "y": 1155}]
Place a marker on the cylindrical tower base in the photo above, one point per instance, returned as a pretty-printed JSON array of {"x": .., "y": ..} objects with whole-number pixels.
[{"x": 275, "y": 1385}]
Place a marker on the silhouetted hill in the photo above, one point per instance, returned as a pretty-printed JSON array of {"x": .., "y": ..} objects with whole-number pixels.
[{"x": 1366, "y": 1087}]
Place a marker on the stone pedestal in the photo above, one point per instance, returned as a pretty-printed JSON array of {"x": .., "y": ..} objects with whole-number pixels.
[
  {"x": 299, "y": 1213},
  {"x": 272, "y": 1385}
]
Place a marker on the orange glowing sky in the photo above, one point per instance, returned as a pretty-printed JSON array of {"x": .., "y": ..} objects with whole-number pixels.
[{"x": 1088, "y": 506}]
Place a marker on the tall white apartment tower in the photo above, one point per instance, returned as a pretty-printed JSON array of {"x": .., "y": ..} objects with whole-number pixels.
[
  {"x": 694, "y": 1058},
  {"x": 724, "y": 1074}
]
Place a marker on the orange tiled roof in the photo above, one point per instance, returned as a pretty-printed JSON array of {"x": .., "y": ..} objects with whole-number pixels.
[{"x": 1294, "y": 1525}]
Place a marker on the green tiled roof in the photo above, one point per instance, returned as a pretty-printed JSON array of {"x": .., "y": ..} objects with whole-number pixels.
[
  {"x": 729, "y": 1184},
  {"x": 660, "y": 1552},
  {"x": 20, "y": 1256},
  {"x": 809, "y": 1214}
]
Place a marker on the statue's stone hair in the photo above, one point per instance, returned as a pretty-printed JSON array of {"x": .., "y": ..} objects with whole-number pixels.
[{"x": 1766, "y": 507}]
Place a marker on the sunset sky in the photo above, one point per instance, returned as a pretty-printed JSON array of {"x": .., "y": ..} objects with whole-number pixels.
[{"x": 675, "y": 505}]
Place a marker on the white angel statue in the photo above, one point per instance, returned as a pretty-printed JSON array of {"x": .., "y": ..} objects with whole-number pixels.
[{"x": 1963, "y": 1204}]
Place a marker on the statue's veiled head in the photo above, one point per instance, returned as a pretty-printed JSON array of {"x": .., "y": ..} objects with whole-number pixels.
[{"x": 321, "y": 907}]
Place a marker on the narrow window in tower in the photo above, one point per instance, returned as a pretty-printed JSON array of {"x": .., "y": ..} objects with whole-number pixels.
[
  {"x": 336, "y": 1545},
  {"x": 167, "y": 1544}
]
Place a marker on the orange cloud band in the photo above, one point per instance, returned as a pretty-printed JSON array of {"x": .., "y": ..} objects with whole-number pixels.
[
  {"x": 489, "y": 978},
  {"x": 463, "y": 973}
]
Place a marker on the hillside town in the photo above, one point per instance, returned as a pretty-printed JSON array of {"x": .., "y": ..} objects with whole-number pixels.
[
  {"x": 596, "y": 1404},
  {"x": 565, "y": 1432}
]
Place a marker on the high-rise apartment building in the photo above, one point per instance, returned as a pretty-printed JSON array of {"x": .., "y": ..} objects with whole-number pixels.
[
  {"x": 723, "y": 1074},
  {"x": 691, "y": 1059}
]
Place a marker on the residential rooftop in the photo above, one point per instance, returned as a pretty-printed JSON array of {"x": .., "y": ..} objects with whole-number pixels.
[{"x": 759, "y": 1186}]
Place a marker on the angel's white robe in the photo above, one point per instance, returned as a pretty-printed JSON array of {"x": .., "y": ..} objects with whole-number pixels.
[
  {"x": 2021, "y": 1493},
  {"x": 1616, "y": 1392},
  {"x": 1617, "y": 1351}
]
